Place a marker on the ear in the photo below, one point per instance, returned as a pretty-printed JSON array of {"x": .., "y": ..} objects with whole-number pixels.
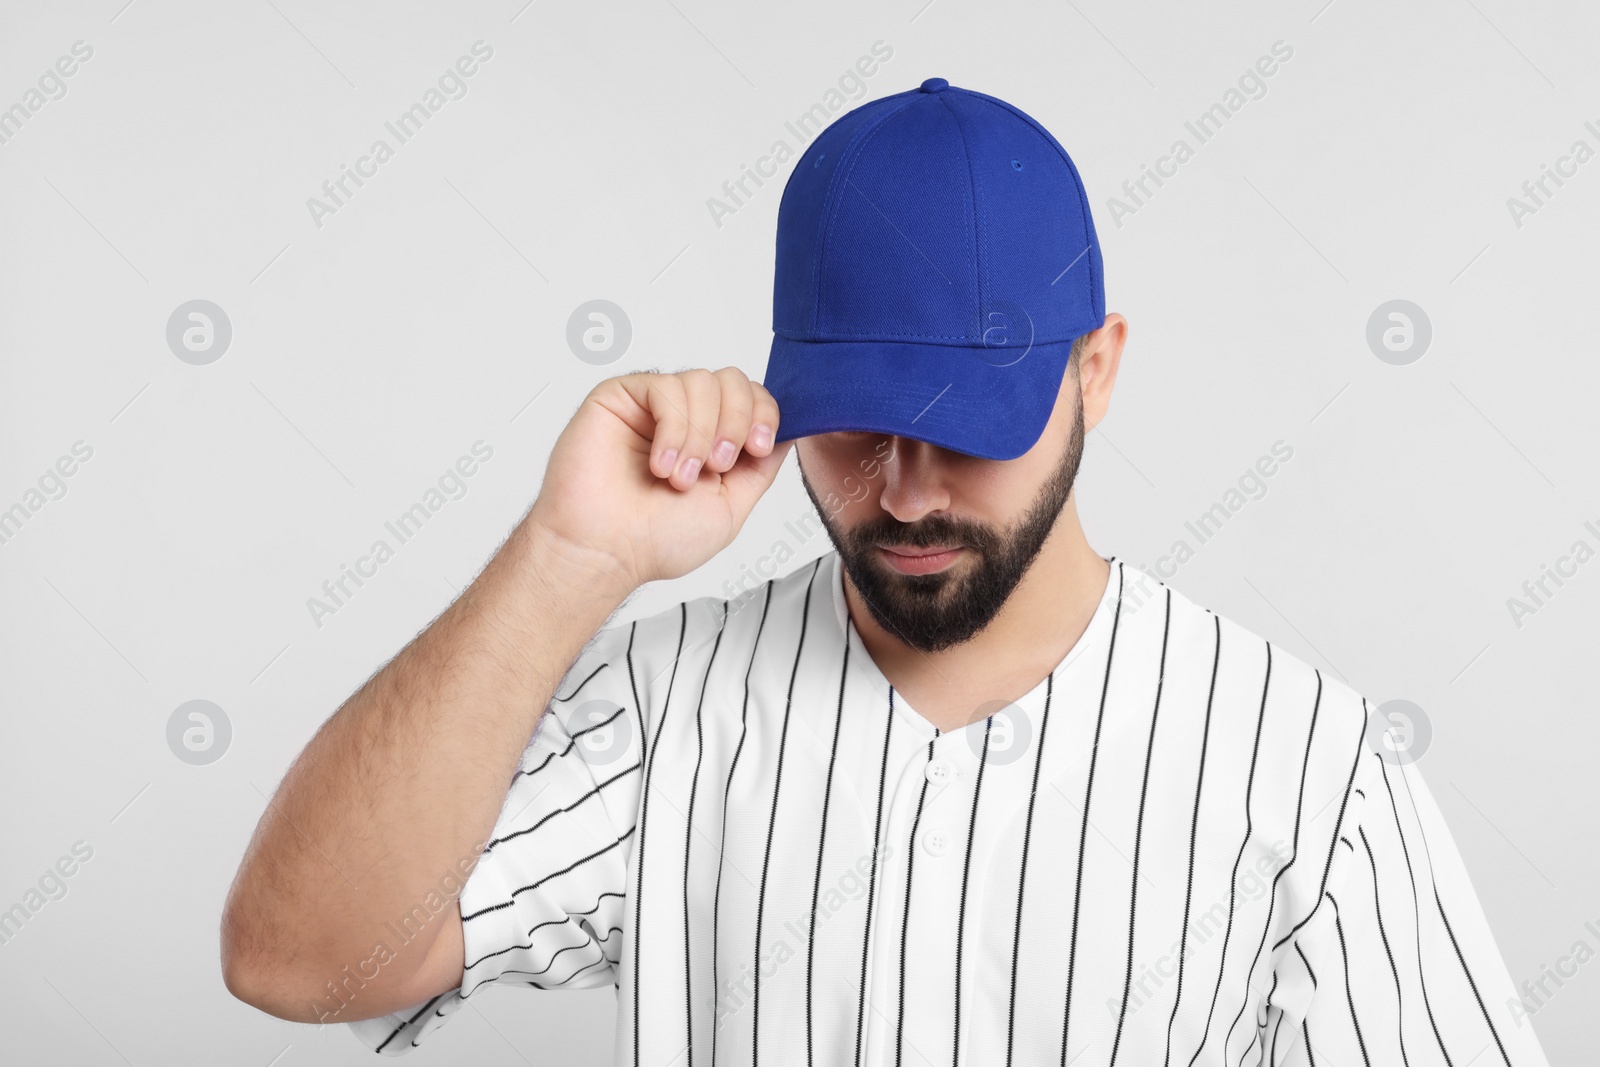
[{"x": 1098, "y": 361}]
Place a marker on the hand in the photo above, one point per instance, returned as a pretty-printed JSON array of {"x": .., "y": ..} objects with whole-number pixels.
[{"x": 658, "y": 472}]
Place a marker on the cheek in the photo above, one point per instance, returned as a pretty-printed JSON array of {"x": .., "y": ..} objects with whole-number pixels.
[
  {"x": 999, "y": 494},
  {"x": 849, "y": 498},
  {"x": 827, "y": 461},
  {"x": 839, "y": 477}
]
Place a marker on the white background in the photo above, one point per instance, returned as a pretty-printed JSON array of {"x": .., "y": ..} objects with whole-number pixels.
[{"x": 372, "y": 351}]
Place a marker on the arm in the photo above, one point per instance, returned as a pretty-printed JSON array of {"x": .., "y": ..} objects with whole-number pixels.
[
  {"x": 401, "y": 787},
  {"x": 455, "y": 707},
  {"x": 1399, "y": 964}
]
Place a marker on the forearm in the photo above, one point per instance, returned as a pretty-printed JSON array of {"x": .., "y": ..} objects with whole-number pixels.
[{"x": 402, "y": 785}]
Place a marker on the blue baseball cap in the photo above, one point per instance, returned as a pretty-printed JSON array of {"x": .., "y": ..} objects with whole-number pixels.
[{"x": 935, "y": 261}]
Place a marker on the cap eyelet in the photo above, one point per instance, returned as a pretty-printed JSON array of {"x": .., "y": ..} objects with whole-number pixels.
[{"x": 1016, "y": 164}]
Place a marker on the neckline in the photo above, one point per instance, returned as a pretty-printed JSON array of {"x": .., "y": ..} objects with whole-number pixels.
[{"x": 860, "y": 658}]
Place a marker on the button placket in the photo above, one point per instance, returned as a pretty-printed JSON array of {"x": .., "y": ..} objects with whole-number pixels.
[
  {"x": 902, "y": 818},
  {"x": 941, "y": 772}
]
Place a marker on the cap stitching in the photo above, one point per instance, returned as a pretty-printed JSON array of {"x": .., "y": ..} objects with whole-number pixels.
[
  {"x": 911, "y": 339},
  {"x": 1097, "y": 295},
  {"x": 844, "y": 154},
  {"x": 841, "y": 178},
  {"x": 979, "y": 263}
]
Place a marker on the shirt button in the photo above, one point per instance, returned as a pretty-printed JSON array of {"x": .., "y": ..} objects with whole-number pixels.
[
  {"x": 935, "y": 841},
  {"x": 938, "y": 771}
]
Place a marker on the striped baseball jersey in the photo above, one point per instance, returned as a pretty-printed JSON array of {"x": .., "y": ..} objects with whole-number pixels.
[{"x": 1182, "y": 847}]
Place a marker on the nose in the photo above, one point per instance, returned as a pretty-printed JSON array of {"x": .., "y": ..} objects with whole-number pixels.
[{"x": 914, "y": 481}]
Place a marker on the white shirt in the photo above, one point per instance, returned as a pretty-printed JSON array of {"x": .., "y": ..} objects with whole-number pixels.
[{"x": 1180, "y": 848}]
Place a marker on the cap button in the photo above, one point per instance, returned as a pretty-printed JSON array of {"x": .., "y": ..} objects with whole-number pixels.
[{"x": 935, "y": 85}]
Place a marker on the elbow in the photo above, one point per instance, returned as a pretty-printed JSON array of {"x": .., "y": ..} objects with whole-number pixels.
[
  {"x": 263, "y": 976},
  {"x": 307, "y": 987},
  {"x": 264, "y": 983},
  {"x": 249, "y": 984}
]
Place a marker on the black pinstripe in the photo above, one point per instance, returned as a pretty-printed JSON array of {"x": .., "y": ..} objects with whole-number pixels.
[
  {"x": 905, "y": 919},
  {"x": 966, "y": 874},
  {"x": 1233, "y": 879},
  {"x": 1194, "y": 827},
  {"x": 644, "y": 816},
  {"x": 772, "y": 820},
  {"x": 688, "y": 839},
  {"x": 722, "y": 847},
  {"x": 822, "y": 846},
  {"x": 1022, "y": 871},
  {"x": 1083, "y": 830},
  {"x": 877, "y": 840},
  {"x": 1138, "y": 836},
  {"x": 558, "y": 908}
]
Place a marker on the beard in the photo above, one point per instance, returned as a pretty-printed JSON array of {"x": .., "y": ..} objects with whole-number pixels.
[{"x": 931, "y": 612}]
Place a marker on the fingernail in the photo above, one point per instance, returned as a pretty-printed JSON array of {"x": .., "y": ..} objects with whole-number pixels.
[
  {"x": 669, "y": 459},
  {"x": 762, "y": 438},
  {"x": 724, "y": 452},
  {"x": 691, "y": 469}
]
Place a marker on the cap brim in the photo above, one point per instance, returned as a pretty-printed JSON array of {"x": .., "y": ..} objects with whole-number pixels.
[{"x": 992, "y": 403}]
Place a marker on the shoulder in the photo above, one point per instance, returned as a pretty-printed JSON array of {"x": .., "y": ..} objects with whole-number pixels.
[
  {"x": 646, "y": 652},
  {"x": 777, "y": 600},
  {"x": 1286, "y": 706}
]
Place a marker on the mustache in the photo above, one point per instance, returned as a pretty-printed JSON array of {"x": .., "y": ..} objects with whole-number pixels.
[{"x": 931, "y": 531}]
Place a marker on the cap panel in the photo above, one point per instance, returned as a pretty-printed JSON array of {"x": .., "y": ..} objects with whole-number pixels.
[
  {"x": 898, "y": 254},
  {"x": 1031, "y": 223},
  {"x": 803, "y": 208},
  {"x": 1065, "y": 192}
]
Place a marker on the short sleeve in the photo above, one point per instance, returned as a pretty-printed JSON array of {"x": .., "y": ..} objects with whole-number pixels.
[
  {"x": 1397, "y": 960},
  {"x": 544, "y": 906}
]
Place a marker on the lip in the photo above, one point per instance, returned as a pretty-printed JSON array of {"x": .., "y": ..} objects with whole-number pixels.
[{"x": 919, "y": 560}]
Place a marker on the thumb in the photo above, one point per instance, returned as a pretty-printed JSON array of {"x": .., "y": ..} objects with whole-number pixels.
[{"x": 751, "y": 476}]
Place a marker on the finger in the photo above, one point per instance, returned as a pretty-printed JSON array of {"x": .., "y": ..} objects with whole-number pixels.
[
  {"x": 704, "y": 398},
  {"x": 752, "y": 476},
  {"x": 733, "y": 418},
  {"x": 668, "y": 406},
  {"x": 763, "y": 420}
]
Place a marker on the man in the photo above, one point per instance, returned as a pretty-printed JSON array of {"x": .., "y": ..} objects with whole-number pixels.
[{"x": 960, "y": 791}]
